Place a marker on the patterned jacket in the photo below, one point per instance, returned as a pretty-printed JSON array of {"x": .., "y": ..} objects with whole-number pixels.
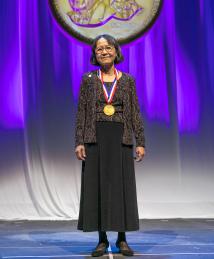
[{"x": 85, "y": 131}]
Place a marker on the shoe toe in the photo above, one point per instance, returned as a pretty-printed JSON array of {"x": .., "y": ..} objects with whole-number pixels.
[
  {"x": 100, "y": 249},
  {"x": 124, "y": 248}
]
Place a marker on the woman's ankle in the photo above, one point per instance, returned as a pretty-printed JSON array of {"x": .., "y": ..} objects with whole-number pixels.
[
  {"x": 121, "y": 236},
  {"x": 103, "y": 237}
]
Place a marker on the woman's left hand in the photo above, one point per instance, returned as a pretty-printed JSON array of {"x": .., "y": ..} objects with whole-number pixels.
[{"x": 140, "y": 152}]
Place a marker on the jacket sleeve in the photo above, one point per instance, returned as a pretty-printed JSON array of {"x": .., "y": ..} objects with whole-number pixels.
[
  {"x": 137, "y": 122},
  {"x": 81, "y": 114}
]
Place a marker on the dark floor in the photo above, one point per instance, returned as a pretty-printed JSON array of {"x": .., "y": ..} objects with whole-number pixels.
[{"x": 157, "y": 239}]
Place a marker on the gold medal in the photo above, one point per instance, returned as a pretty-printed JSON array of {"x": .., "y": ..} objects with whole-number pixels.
[{"x": 109, "y": 109}]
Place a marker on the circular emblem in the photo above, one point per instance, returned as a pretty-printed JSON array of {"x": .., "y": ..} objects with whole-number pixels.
[{"x": 125, "y": 20}]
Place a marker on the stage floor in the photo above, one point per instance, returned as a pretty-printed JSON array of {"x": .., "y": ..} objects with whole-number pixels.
[{"x": 157, "y": 239}]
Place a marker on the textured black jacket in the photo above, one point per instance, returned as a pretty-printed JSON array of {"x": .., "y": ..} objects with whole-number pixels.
[{"x": 85, "y": 131}]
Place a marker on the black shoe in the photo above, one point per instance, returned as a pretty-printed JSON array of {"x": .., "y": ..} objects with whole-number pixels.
[
  {"x": 124, "y": 248},
  {"x": 100, "y": 249}
]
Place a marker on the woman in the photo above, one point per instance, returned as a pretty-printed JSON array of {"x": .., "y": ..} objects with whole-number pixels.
[{"x": 108, "y": 112}]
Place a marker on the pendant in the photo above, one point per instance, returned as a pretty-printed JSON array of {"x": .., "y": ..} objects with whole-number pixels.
[{"x": 109, "y": 109}]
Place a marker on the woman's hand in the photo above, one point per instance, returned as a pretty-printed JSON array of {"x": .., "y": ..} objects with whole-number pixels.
[
  {"x": 140, "y": 152},
  {"x": 80, "y": 152}
]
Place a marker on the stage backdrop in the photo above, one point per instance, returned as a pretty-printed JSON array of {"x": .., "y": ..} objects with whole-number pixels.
[{"x": 40, "y": 72}]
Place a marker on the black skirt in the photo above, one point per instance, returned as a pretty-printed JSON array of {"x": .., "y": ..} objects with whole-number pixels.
[{"x": 108, "y": 200}]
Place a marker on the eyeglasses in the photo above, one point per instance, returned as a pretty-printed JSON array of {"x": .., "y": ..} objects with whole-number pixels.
[{"x": 107, "y": 48}]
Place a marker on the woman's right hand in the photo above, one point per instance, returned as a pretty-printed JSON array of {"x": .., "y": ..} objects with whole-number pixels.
[{"x": 80, "y": 152}]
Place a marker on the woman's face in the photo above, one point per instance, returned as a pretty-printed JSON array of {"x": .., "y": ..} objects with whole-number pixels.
[{"x": 105, "y": 53}]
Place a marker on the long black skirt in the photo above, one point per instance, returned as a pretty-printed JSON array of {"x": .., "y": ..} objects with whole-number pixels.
[{"x": 108, "y": 200}]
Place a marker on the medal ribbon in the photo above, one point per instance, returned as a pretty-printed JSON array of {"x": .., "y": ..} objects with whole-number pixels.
[{"x": 110, "y": 96}]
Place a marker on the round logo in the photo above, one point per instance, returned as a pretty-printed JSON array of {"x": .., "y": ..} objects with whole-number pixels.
[{"x": 125, "y": 20}]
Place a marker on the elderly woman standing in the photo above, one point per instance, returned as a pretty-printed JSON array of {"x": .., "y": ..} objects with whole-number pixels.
[{"x": 108, "y": 115}]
